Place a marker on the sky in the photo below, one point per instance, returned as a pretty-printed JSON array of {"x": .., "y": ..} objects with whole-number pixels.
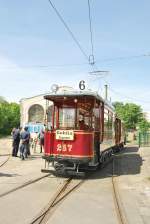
[{"x": 37, "y": 51}]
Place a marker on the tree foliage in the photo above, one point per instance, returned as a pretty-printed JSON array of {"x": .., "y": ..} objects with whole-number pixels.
[
  {"x": 132, "y": 115},
  {"x": 144, "y": 125},
  {"x": 2, "y": 100},
  {"x": 9, "y": 116}
]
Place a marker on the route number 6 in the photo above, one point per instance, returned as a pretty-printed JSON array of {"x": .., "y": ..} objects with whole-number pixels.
[{"x": 82, "y": 84}]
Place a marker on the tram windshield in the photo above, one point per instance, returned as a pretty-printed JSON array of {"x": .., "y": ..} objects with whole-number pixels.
[
  {"x": 66, "y": 117},
  {"x": 73, "y": 118},
  {"x": 72, "y": 113}
]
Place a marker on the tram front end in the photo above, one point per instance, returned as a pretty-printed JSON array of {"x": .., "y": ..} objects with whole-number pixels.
[{"x": 69, "y": 135}]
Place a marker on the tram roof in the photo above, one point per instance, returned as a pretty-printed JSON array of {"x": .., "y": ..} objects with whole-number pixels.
[{"x": 72, "y": 94}]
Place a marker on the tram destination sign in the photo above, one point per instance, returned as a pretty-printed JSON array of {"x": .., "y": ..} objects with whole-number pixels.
[{"x": 64, "y": 134}]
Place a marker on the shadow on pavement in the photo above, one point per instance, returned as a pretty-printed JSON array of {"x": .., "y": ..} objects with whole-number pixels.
[
  {"x": 8, "y": 175},
  {"x": 127, "y": 162}
]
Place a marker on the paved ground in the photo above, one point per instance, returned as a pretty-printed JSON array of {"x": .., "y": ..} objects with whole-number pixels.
[
  {"x": 22, "y": 205},
  {"x": 93, "y": 202},
  {"x": 134, "y": 182}
]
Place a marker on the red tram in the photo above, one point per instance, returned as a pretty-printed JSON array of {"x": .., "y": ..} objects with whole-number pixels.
[{"x": 82, "y": 131}]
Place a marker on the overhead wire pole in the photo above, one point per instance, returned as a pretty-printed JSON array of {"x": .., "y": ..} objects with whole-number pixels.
[{"x": 68, "y": 29}]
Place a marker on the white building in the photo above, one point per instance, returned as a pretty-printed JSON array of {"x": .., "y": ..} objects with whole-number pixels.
[
  {"x": 147, "y": 116},
  {"x": 33, "y": 112}
]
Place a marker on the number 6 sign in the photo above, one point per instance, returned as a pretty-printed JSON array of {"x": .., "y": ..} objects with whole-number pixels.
[{"x": 82, "y": 84}]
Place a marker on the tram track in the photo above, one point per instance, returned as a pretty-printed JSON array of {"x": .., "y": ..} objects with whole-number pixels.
[
  {"x": 121, "y": 214},
  {"x": 66, "y": 189},
  {"x": 7, "y": 154},
  {"x": 4, "y": 162},
  {"x": 23, "y": 185}
]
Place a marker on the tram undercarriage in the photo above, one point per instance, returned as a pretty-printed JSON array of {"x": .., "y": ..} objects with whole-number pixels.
[
  {"x": 66, "y": 166},
  {"x": 78, "y": 167}
]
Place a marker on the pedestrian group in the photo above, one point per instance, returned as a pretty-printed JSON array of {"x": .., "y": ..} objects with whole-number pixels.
[{"x": 21, "y": 142}]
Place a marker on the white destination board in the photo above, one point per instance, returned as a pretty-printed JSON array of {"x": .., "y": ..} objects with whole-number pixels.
[{"x": 64, "y": 134}]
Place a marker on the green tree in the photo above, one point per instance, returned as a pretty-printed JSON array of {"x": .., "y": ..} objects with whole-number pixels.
[
  {"x": 9, "y": 117},
  {"x": 144, "y": 125},
  {"x": 130, "y": 113}
]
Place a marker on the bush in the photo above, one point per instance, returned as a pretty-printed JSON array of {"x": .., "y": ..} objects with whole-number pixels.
[{"x": 9, "y": 117}]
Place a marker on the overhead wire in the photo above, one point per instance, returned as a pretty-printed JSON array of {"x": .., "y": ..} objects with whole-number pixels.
[
  {"x": 124, "y": 57},
  {"x": 125, "y": 96},
  {"x": 91, "y": 60},
  {"x": 43, "y": 66},
  {"x": 68, "y": 29},
  {"x": 114, "y": 91},
  {"x": 91, "y": 57},
  {"x": 75, "y": 64},
  {"x": 119, "y": 93}
]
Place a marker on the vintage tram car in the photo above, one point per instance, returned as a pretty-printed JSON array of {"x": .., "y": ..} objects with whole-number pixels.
[{"x": 82, "y": 131}]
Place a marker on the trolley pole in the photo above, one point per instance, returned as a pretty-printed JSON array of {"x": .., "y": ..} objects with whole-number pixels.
[
  {"x": 101, "y": 74},
  {"x": 106, "y": 92}
]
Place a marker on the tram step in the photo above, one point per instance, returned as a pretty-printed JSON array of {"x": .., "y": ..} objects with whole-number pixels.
[{"x": 48, "y": 171}]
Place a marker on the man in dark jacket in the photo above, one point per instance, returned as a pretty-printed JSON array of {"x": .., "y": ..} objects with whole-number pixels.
[
  {"x": 41, "y": 138},
  {"x": 25, "y": 137},
  {"x": 16, "y": 141}
]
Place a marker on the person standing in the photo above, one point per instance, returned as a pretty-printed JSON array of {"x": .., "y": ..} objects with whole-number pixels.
[
  {"x": 28, "y": 144},
  {"x": 16, "y": 141},
  {"x": 25, "y": 137},
  {"x": 13, "y": 145},
  {"x": 41, "y": 138},
  {"x": 34, "y": 141}
]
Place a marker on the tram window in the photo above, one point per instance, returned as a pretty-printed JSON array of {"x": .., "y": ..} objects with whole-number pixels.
[
  {"x": 108, "y": 124},
  {"x": 96, "y": 119},
  {"x": 84, "y": 119},
  {"x": 84, "y": 124},
  {"x": 66, "y": 117},
  {"x": 49, "y": 117},
  {"x": 105, "y": 124}
]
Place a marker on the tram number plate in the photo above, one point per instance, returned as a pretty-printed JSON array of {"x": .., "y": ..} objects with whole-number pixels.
[
  {"x": 64, "y": 135},
  {"x": 64, "y": 147}
]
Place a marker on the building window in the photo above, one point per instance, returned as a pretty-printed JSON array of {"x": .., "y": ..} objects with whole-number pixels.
[{"x": 36, "y": 114}]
